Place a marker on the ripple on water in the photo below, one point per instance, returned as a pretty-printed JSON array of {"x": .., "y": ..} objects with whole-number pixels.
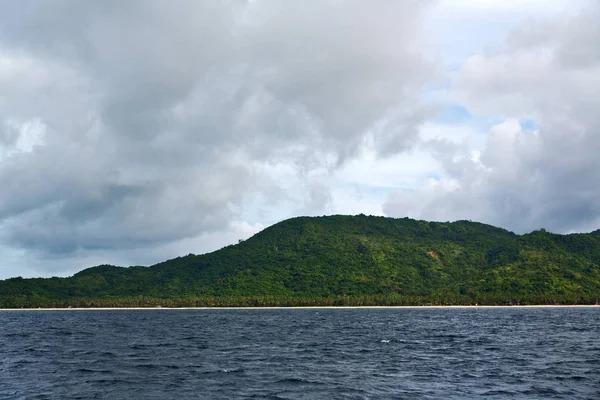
[{"x": 301, "y": 354}]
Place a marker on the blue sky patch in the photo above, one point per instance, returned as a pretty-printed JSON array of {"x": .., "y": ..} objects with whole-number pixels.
[
  {"x": 452, "y": 114},
  {"x": 528, "y": 125}
]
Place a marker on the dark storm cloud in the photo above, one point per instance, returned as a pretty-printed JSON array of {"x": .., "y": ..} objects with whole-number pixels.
[{"x": 154, "y": 116}]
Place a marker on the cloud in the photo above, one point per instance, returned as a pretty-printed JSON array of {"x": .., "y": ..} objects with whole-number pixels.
[
  {"x": 463, "y": 28},
  {"x": 131, "y": 132},
  {"x": 127, "y": 125},
  {"x": 547, "y": 71}
]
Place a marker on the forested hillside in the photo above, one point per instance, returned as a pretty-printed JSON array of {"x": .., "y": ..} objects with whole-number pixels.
[{"x": 345, "y": 260}]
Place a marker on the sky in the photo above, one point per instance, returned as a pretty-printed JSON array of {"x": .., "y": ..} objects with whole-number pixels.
[{"x": 134, "y": 131}]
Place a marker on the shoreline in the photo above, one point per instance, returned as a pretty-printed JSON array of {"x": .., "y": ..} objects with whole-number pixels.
[{"x": 299, "y": 307}]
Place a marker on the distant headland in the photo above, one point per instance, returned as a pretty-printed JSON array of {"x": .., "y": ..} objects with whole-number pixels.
[{"x": 344, "y": 261}]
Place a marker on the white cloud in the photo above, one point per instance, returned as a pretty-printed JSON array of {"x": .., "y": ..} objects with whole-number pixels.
[
  {"x": 463, "y": 28},
  {"x": 129, "y": 126},
  {"x": 131, "y": 133},
  {"x": 547, "y": 70}
]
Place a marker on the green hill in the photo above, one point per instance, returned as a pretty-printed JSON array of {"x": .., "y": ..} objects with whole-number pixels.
[{"x": 344, "y": 260}]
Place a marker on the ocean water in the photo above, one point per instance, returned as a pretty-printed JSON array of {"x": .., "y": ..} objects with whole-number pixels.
[{"x": 526, "y": 353}]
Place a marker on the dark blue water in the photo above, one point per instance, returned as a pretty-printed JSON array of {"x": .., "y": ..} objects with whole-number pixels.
[{"x": 544, "y": 353}]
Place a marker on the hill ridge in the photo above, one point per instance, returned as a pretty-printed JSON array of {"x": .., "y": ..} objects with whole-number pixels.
[{"x": 361, "y": 259}]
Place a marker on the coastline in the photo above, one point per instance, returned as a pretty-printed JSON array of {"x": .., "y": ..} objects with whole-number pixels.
[{"x": 299, "y": 307}]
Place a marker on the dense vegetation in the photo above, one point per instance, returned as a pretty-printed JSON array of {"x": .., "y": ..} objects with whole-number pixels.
[{"x": 344, "y": 260}]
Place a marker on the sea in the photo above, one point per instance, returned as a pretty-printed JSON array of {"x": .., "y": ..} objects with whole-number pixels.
[{"x": 316, "y": 353}]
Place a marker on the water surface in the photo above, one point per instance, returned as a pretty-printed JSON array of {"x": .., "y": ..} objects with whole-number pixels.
[{"x": 528, "y": 353}]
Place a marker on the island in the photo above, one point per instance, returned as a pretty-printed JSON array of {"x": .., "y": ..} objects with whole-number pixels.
[{"x": 343, "y": 260}]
